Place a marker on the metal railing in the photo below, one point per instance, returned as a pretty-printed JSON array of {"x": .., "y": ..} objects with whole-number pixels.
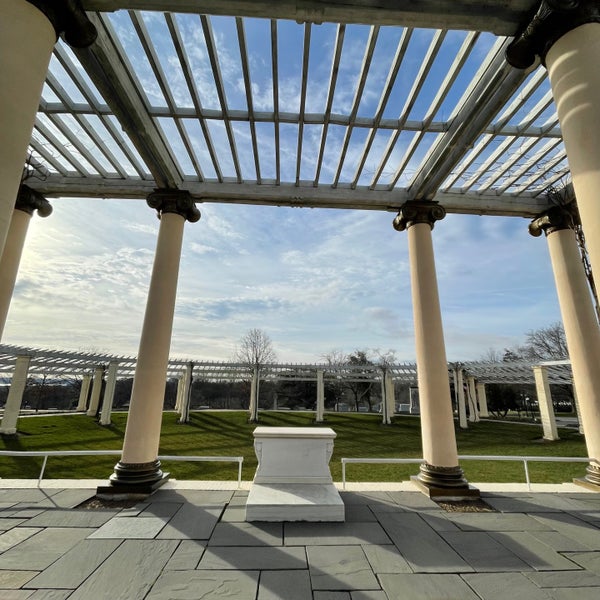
[
  {"x": 181, "y": 458},
  {"x": 524, "y": 459}
]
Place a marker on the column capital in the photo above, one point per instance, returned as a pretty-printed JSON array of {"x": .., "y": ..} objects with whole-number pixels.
[
  {"x": 547, "y": 25},
  {"x": 29, "y": 200},
  {"x": 68, "y": 17},
  {"x": 554, "y": 219},
  {"x": 414, "y": 212},
  {"x": 174, "y": 201}
]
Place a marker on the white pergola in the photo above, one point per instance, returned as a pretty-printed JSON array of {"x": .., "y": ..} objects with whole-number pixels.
[{"x": 195, "y": 95}]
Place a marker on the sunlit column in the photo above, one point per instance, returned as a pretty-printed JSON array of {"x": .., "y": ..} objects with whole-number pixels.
[
  {"x": 578, "y": 410},
  {"x": 473, "y": 410},
  {"x": 566, "y": 36},
  {"x": 180, "y": 382},
  {"x": 96, "y": 391},
  {"x": 28, "y": 32},
  {"x": 320, "y": 412},
  {"x": 482, "y": 399},
  {"x": 15, "y": 396},
  {"x": 580, "y": 322},
  {"x": 109, "y": 393},
  {"x": 544, "y": 397},
  {"x": 441, "y": 470},
  {"x": 186, "y": 393},
  {"x": 139, "y": 467},
  {"x": 385, "y": 417},
  {"x": 27, "y": 202},
  {"x": 84, "y": 393}
]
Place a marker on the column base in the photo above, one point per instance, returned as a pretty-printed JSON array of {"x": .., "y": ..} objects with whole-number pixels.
[
  {"x": 592, "y": 479},
  {"x": 444, "y": 482},
  {"x": 131, "y": 479},
  {"x": 8, "y": 432}
]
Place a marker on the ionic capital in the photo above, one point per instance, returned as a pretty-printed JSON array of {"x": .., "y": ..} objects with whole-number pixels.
[
  {"x": 550, "y": 22},
  {"x": 29, "y": 200},
  {"x": 174, "y": 201},
  {"x": 68, "y": 17},
  {"x": 554, "y": 219},
  {"x": 412, "y": 213}
]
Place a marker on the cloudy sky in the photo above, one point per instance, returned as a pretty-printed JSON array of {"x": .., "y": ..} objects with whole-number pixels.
[{"x": 313, "y": 280}]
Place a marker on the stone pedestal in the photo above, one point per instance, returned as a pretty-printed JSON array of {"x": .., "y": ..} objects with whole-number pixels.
[{"x": 292, "y": 480}]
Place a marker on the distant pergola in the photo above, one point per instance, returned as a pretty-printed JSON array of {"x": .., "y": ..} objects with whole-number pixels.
[{"x": 59, "y": 364}]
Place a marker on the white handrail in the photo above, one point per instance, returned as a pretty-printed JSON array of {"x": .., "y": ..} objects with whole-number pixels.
[
  {"x": 523, "y": 459},
  {"x": 181, "y": 458}
]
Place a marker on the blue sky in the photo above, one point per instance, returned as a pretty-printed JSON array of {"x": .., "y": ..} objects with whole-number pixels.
[{"x": 313, "y": 279}]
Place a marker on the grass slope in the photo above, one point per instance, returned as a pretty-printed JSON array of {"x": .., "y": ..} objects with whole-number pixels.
[{"x": 213, "y": 433}]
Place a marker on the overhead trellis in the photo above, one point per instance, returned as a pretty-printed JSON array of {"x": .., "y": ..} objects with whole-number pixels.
[
  {"x": 59, "y": 364},
  {"x": 243, "y": 107}
]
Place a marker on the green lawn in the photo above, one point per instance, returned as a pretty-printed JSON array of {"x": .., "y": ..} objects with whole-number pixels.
[{"x": 213, "y": 433}]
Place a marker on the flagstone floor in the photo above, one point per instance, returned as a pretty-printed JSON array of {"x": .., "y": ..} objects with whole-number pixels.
[{"x": 194, "y": 544}]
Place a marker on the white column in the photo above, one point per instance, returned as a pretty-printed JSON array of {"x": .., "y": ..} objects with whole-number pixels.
[
  {"x": 544, "y": 396},
  {"x": 320, "y": 412},
  {"x": 414, "y": 407},
  {"x": 441, "y": 469},
  {"x": 139, "y": 466},
  {"x": 580, "y": 322},
  {"x": 84, "y": 393},
  {"x": 96, "y": 391},
  {"x": 15, "y": 396},
  {"x": 26, "y": 41},
  {"x": 390, "y": 395},
  {"x": 254, "y": 395},
  {"x": 460, "y": 398},
  {"x": 482, "y": 398},
  {"x": 27, "y": 38},
  {"x": 186, "y": 393},
  {"x": 178, "y": 400},
  {"x": 385, "y": 417},
  {"x": 579, "y": 421},
  {"x": 473, "y": 410},
  {"x": 109, "y": 393}
]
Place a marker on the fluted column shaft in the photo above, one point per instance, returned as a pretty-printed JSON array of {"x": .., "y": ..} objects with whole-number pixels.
[
  {"x": 546, "y": 408},
  {"x": 84, "y": 393},
  {"x": 96, "y": 391},
  {"x": 109, "y": 393},
  {"x": 320, "y": 397}
]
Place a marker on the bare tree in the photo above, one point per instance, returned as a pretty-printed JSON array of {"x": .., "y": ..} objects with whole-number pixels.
[
  {"x": 547, "y": 343},
  {"x": 256, "y": 349}
]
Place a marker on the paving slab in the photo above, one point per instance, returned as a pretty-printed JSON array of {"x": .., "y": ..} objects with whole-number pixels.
[
  {"x": 386, "y": 559},
  {"x": 16, "y": 594},
  {"x": 319, "y": 595},
  {"x": 162, "y": 510},
  {"x": 414, "y": 501},
  {"x": 570, "y": 579},
  {"x": 518, "y": 505},
  {"x": 42, "y": 549},
  {"x": 50, "y": 595},
  {"x": 402, "y": 586},
  {"x": 15, "y": 536},
  {"x": 572, "y": 527},
  {"x": 587, "y": 560},
  {"x": 248, "y": 558},
  {"x": 291, "y": 585},
  {"x": 498, "y": 586},
  {"x": 71, "y": 518},
  {"x": 368, "y": 595},
  {"x": 74, "y": 567},
  {"x": 191, "y": 522},
  {"x": 534, "y": 552},
  {"x": 483, "y": 552},
  {"x": 247, "y": 534},
  {"x": 497, "y": 522},
  {"x": 208, "y": 585},
  {"x": 18, "y": 495},
  {"x": 359, "y": 513},
  {"x": 334, "y": 534},
  {"x": 15, "y": 579},
  {"x": 576, "y": 593},
  {"x": 560, "y": 542},
  {"x": 340, "y": 568},
  {"x": 187, "y": 556},
  {"x": 129, "y": 572},
  {"x": 439, "y": 521},
  {"x": 70, "y": 498},
  {"x": 422, "y": 547},
  {"x": 372, "y": 498},
  {"x": 130, "y": 528},
  {"x": 198, "y": 497},
  {"x": 8, "y": 523}
]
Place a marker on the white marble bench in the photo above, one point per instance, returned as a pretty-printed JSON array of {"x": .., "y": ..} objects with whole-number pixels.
[{"x": 292, "y": 480}]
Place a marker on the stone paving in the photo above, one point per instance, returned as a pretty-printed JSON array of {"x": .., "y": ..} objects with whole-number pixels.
[{"x": 194, "y": 544}]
